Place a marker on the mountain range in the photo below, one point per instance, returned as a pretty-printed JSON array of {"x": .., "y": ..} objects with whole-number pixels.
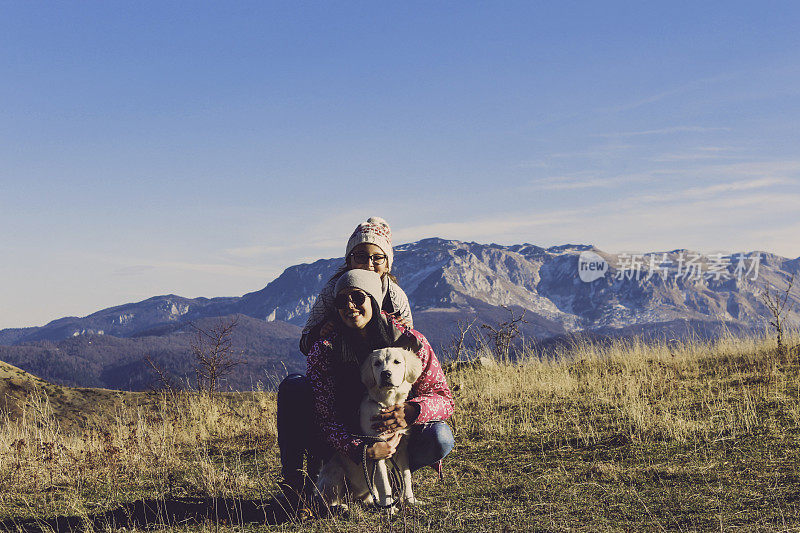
[{"x": 561, "y": 290}]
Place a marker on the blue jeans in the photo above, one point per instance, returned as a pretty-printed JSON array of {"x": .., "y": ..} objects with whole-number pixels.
[{"x": 298, "y": 434}]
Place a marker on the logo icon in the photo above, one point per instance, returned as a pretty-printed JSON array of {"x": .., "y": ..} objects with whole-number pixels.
[{"x": 591, "y": 266}]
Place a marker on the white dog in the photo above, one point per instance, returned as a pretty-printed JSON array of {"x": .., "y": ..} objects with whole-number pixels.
[{"x": 388, "y": 375}]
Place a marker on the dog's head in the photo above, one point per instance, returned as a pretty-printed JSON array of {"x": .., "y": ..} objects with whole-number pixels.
[{"x": 389, "y": 368}]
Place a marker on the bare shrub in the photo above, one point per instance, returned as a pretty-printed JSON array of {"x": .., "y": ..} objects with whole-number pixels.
[
  {"x": 213, "y": 350},
  {"x": 164, "y": 380},
  {"x": 456, "y": 348},
  {"x": 777, "y": 302},
  {"x": 504, "y": 334}
]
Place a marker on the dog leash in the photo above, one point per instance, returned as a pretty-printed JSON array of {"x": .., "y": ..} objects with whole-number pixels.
[{"x": 393, "y": 474}]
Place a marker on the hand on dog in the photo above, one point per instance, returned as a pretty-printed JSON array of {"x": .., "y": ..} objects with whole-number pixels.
[
  {"x": 384, "y": 450},
  {"x": 396, "y": 417},
  {"x": 402, "y": 321}
]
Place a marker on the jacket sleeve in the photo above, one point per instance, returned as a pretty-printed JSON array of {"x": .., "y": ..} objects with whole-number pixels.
[
  {"x": 322, "y": 308},
  {"x": 400, "y": 303},
  {"x": 430, "y": 392},
  {"x": 323, "y": 387},
  {"x": 307, "y": 340}
]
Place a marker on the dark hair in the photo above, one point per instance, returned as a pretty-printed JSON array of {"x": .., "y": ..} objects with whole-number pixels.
[{"x": 380, "y": 334}]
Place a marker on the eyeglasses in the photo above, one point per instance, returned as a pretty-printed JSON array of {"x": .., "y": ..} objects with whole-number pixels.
[
  {"x": 342, "y": 301},
  {"x": 363, "y": 258}
]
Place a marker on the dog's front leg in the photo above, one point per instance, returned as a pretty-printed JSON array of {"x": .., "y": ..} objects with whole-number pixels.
[
  {"x": 401, "y": 459},
  {"x": 382, "y": 485}
]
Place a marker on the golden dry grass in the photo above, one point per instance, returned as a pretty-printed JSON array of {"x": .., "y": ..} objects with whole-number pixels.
[
  {"x": 683, "y": 392},
  {"x": 627, "y": 436}
]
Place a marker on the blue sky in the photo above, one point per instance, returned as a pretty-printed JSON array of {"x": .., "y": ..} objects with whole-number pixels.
[{"x": 199, "y": 148}]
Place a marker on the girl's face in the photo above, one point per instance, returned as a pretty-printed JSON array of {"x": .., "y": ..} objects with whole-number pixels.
[
  {"x": 368, "y": 256},
  {"x": 354, "y": 315}
]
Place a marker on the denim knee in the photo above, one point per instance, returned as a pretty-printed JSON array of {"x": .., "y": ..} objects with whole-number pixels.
[
  {"x": 429, "y": 444},
  {"x": 443, "y": 439}
]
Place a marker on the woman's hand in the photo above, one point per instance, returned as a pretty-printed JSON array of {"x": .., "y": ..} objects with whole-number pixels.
[
  {"x": 326, "y": 329},
  {"x": 395, "y": 417},
  {"x": 404, "y": 322},
  {"x": 384, "y": 450}
]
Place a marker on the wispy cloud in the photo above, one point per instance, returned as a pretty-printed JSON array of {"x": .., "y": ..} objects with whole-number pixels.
[
  {"x": 686, "y": 87},
  {"x": 489, "y": 227},
  {"x": 766, "y": 203},
  {"x": 557, "y": 159},
  {"x": 573, "y": 182},
  {"x": 261, "y": 250},
  {"x": 223, "y": 269},
  {"x": 730, "y": 215},
  {"x": 695, "y": 155},
  {"x": 136, "y": 265},
  {"x": 133, "y": 270},
  {"x": 643, "y": 101},
  {"x": 712, "y": 190},
  {"x": 603, "y": 151},
  {"x": 788, "y": 168},
  {"x": 737, "y": 186},
  {"x": 662, "y": 131}
]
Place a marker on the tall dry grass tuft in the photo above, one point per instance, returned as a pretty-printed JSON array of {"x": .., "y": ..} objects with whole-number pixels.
[
  {"x": 689, "y": 391},
  {"x": 178, "y": 445}
]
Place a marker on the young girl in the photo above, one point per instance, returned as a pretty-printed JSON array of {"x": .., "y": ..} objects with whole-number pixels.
[{"x": 369, "y": 248}]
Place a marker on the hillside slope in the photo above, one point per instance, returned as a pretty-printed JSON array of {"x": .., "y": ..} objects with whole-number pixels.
[
  {"x": 268, "y": 349},
  {"x": 72, "y": 407}
]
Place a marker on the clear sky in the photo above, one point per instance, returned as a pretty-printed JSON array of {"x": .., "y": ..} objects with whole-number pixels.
[{"x": 200, "y": 148}]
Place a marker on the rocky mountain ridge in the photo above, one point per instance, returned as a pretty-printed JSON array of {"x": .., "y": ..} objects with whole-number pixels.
[
  {"x": 674, "y": 293},
  {"x": 448, "y": 275}
]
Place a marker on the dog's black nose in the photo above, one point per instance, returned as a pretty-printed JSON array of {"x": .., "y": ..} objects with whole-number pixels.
[{"x": 386, "y": 375}]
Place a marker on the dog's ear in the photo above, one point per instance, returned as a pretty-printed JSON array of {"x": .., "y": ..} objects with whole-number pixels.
[
  {"x": 413, "y": 366},
  {"x": 367, "y": 376}
]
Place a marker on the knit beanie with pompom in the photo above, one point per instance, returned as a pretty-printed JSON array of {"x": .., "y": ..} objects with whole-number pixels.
[{"x": 374, "y": 231}]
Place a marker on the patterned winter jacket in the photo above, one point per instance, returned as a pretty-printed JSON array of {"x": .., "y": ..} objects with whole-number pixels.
[
  {"x": 338, "y": 392},
  {"x": 395, "y": 302}
]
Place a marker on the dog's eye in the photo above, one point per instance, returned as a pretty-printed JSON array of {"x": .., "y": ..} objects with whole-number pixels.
[
  {"x": 377, "y": 363},
  {"x": 397, "y": 361}
]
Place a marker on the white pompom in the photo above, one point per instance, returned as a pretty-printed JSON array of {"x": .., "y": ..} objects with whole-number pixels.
[{"x": 377, "y": 220}]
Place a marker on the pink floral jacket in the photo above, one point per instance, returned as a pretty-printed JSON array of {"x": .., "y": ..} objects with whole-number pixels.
[{"x": 430, "y": 392}]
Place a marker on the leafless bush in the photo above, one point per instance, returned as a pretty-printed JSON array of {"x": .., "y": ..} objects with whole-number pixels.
[
  {"x": 164, "y": 380},
  {"x": 504, "y": 334},
  {"x": 455, "y": 349},
  {"x": 777, "y": 302},
  {"x": 213, "y": 350}
]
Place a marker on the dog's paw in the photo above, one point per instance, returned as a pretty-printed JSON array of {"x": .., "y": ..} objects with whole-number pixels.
[
  {"x": 339, "y": 511},
  {"x": 391, "y": 511},
  {"x": 386, "y": 501}
]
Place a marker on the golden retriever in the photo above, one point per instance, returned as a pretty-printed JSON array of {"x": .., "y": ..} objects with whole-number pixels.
[{"x": 388, "y": 375}]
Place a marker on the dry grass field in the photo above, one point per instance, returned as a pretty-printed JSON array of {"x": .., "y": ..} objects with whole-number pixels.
[{"x": 621, "y": 437}]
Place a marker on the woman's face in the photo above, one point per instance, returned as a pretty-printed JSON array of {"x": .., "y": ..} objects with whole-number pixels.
[
  {"x": 364, "y": 255},
  {"x": 353, "y": 315}
]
